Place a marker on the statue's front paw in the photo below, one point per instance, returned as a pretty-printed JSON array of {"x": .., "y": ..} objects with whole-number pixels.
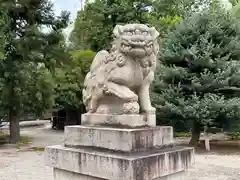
[
  {"x": 150, "y": 110},
  {"x": 134, "y": 98}
]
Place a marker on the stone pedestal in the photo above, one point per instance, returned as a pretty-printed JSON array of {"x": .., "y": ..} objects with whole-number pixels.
[
  {"x": 125, "y": 120},
  {"x": 105, "y": 153}
]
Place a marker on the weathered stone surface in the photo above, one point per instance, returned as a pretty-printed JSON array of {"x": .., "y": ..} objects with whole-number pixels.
[
  {"x": 128, "y": 120},
  {"x": 119, "y": 80},
  {"x": 60, "y": 174},
  {"x": 120, "y": 166},
  {"x": 118, "y": 139},
  {"x": 175, "y": 176}
]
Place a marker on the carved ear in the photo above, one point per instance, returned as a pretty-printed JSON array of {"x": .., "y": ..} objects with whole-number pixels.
[
  {"x": 118, "y": 30},
  {"x": 154, "y": 32}
]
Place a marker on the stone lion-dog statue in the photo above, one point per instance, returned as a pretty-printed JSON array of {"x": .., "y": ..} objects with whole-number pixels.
[{"x": 118, "y": 81}]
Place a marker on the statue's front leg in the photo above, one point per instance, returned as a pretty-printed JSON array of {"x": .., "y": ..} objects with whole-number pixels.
[
  {"x": 94, "y": 100},
  {"x": 144, "y": 95},
  {"x": 92, "y": 105}
]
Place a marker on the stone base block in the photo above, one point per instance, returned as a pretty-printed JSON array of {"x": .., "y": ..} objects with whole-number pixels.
[
  {"x": 126, "y": 120},
  {"x": 103, "y": 164},
  {"x": 60, "y": 174},
  {"x": 127, "y": 140}
]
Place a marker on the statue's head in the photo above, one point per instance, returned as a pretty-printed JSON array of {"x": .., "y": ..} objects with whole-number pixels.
[{"x": 136, "y": 40}]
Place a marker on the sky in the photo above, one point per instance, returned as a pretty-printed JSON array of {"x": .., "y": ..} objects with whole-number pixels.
[
  {"x": 70, "y": 5},
  {"x": 73, "y": 6}
]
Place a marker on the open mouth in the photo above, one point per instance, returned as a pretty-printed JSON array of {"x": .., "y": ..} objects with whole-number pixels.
[{"x": 139, "y": 43}]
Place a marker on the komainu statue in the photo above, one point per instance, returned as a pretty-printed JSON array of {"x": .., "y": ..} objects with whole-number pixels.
[{"x": 119, "y": 80}]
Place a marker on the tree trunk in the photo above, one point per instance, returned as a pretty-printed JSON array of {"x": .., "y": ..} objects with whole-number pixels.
[
  {"x": 206, "y": 139},
  {"x": 196, "y": 131},
  {"x": 14, "y": 127},
  {"x": 207, "y": 143}
]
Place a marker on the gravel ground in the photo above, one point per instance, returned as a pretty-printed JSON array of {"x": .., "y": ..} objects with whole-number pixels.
[
  {"x": 18, "y": 165},
  {"x": 24, "y": 166}
]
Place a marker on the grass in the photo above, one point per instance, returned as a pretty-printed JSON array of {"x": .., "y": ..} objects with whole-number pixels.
[
  {"x": 37, "y": 149},
  {"x": 5, "y": 138},
  {"x": 25, "y": 140},
  {"x": 182, "y": 135},
  {"x": 2, "y": 134}
]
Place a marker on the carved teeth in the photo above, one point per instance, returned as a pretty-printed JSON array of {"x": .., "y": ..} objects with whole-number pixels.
[{"x": 144, "y": 33}]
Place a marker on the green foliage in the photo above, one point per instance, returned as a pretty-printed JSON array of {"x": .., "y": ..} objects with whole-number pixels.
[
  {"x": 166, "y": 14},
  {"x": 236, "y": 8},
  {"x": 234, "y": 132},
  {"x": 2, "y": 21},
  {"x": 170, "y": 22},
  {"x": 234, "y": 2},
  {"x": 182, "y": 8},
  {"x": 198, "y": 81},
  {"x": 69, "y": 79},
  {"x": 165, "y": 24},
  {"x": 234, "y": 135},
  {"x": 93, "y": 26},
  {"x": 29, "y": 56},
  {"x": 84, "y": 60}
]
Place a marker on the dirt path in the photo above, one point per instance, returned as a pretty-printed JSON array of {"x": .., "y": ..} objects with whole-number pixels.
[{"x": 44, "y": 136}]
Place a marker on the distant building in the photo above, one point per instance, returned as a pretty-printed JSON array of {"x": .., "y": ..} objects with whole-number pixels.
[{"x": 64, "y": 117}]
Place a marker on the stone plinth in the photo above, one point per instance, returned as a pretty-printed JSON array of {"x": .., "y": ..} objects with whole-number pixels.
[
  {"x": 60, "y": 174},
  {"x": 119, "y": 139},
  {"x": 105, "y": 153},
  {"x": 149, "y": 165},
  {"x": 125, "y": 120}
]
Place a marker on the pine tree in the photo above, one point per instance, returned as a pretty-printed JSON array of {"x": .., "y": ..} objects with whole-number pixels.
[
  {"x": 25, "y": 71},
  {"x": 197, "y": 83}
]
